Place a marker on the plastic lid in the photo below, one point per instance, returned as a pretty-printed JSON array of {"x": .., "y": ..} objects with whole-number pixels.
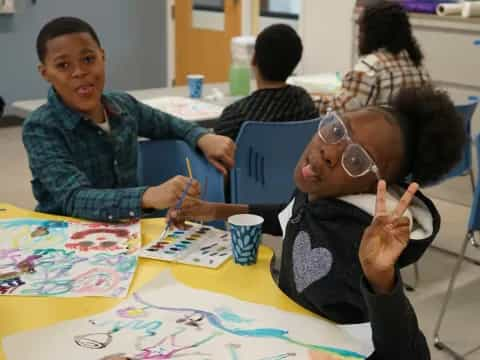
[{"x": 243, "y": 41}]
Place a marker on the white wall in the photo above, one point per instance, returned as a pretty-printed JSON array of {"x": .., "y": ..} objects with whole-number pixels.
[
  {"x": 326, "y": 29},
  {"x": 132, "y": 33}
]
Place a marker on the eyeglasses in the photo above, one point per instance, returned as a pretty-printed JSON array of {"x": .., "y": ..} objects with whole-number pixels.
[{"x": 355, "y": 159}]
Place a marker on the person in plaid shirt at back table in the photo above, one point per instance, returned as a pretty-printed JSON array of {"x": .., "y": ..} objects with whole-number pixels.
[
  {"x": 391, "y": 59},
  {"x": 82, "y": 144}
]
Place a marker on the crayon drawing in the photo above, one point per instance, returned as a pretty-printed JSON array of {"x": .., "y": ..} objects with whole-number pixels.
[{"x": 167, "y": 320}]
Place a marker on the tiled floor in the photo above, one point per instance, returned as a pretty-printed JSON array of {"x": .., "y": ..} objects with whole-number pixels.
[{"x": 463, "y": 319}]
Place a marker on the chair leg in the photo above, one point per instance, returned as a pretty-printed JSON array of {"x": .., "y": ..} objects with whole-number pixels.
[
  {"x": 436, "y": 333},
  {"x": 416, "y": 278},
  {"x": 475, "y": 244},
  {"x": 416, "y": 270},
  {"x": 472, "y": 179}
]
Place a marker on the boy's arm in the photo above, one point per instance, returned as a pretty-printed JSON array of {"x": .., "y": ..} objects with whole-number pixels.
[
  {"x": 154, "y": 124},
  {"x": 69, "y": 187},
  {"x": 395, "y": 330}
]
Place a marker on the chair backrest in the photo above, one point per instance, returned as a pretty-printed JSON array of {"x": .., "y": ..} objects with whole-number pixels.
[
  {"x": 267, "y": 153},
  {"x": 474, "y": 220},
  {"x": 465, "y": 164},
  {"x": 160, "y": 160}
]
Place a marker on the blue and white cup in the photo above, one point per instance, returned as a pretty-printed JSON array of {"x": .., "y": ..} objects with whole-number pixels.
[
  {"x": 246, "y": 231},
  {"x": 195, "y": 85}
]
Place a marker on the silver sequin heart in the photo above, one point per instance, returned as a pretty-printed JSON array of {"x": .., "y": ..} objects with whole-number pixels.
[{"x": 309, "y": 265}]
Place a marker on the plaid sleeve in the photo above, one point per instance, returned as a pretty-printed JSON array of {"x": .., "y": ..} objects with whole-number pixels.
[
  {"x": 52, "y": 165},
  {"x": 155, "y": 124},
  {"x": 358, "y": 90}
]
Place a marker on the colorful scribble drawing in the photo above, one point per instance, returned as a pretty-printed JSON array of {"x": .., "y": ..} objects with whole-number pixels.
[
  {"x": 57, "y": 272},
  {"x": 103, "y": 237},
  {"x": 156, "y": 324},
  {"x": 181, "y": 341},
  {"x": 57, "y": 258},
  {"x": 267, "y": 333},
  {"x": 32, "y": 234}
]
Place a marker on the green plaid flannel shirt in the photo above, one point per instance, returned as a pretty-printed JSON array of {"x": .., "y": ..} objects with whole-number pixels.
[{"x": 80, "y": 170}]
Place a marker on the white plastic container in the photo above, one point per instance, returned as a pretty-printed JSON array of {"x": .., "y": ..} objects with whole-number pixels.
[{"x": 242, "y": 50}]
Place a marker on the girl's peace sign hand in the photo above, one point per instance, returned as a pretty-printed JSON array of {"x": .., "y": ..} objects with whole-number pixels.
[{"x": 385, "y": 239}]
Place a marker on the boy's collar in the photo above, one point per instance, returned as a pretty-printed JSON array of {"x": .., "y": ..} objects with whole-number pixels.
[{"x": 70, "y": 117}]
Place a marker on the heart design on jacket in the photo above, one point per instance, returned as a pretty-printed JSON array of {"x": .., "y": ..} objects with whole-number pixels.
[{"x": 309, "y": 265}]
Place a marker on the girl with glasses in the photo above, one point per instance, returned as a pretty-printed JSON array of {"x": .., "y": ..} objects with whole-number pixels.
[{"x": 345, "y": 235}]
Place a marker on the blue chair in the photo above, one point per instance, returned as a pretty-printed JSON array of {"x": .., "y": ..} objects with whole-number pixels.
[
  {"x": 160, "y": 160},
  {"x": 267, "y": 153},
  {"x": 464, "y": 167},
  {"x": 473, "y": 227}
]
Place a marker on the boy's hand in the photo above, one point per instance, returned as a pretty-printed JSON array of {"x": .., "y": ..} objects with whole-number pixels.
[
  {"x": 167, "y": 194},
  {"x": 219, "y": 150},
  {"x": 194, "y": 209},
  {"x": 385, "y": 239}
]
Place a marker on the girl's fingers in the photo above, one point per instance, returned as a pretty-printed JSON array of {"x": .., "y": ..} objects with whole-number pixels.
[
  {"x": 406, "y": 199},
  {"x": 380, "y": 205}
]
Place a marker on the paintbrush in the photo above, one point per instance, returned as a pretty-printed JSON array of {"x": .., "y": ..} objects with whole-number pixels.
[
  {"x": 177, "y": 207},
  {"x": 164, "y": 233}
]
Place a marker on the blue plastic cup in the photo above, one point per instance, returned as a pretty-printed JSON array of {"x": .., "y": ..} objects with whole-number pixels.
[
  {"x": 246, "y": 232},
  {"x": 195, "y": 85}
]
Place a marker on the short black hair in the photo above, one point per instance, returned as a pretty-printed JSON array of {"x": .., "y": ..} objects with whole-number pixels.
[
  {"x": 62, "y": 26},
  {"x": 386, "y": 25},
  {"x": 433, "y": 132},
  {"x": 278, "y": 50}
]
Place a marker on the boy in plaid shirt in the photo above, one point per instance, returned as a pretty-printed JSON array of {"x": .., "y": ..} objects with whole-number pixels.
[
  {"x": 82, "y": 144},
  {"x": 390, "y": 60}
]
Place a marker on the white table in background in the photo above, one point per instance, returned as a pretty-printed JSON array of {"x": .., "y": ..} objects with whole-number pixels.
[{"x": 24, "y": 108}]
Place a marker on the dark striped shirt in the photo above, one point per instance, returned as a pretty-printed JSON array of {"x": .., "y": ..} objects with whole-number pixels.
[{"x": 290, "y": 103}]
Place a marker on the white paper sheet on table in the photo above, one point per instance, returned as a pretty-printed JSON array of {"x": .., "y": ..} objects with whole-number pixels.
[
  {"x": 185, "y": 108},
  {"x": 167, "y": 320}
]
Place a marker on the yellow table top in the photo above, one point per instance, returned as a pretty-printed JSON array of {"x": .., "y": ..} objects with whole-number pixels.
[{"x": 249, "y": 283}]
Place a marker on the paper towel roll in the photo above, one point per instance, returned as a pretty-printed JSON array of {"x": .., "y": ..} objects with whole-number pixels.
[
  {"x": 449, "y": 9},
  {"x": 470, "y": 9}
]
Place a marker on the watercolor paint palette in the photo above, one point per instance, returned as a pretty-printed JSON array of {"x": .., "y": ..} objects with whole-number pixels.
[{"x": 199, "y": 245}]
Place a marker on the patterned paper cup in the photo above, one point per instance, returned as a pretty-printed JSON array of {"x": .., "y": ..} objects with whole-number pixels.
[
  {"x": 246, "y": 231},
  {"x": 195, "y": 85}
]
